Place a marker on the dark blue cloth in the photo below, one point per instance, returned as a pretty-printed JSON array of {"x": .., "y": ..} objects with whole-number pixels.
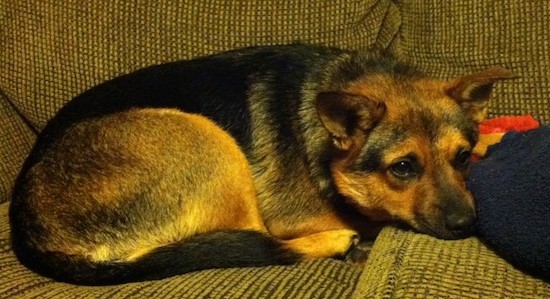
[{"x": 512, "y": 190}]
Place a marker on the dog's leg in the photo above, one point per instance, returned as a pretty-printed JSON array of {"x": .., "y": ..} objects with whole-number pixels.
[{"x": 332, "y": 243}]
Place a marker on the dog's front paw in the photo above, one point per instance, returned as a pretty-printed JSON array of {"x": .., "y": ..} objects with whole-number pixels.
[
  {"x": 332, "y": 243},
  {"x": 343, "y": 241}
]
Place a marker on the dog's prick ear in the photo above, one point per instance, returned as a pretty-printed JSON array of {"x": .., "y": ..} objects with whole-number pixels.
[
  {"x": 473, "y": 91},
  {"x": 344, "y": 114}
]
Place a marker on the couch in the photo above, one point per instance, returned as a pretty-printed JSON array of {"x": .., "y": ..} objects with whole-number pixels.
[{"x": 51, "y": 50}]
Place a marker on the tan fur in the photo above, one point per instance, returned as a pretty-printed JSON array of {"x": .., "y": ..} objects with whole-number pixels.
[
  {"x": 325, "y": 243},
  {"x": 380, "y": 195},
  {"x": 147, "y": 145},
  {"x": 485, "y": 141}
]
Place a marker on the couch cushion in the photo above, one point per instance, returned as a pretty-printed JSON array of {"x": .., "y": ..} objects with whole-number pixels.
[
  {"x": 448, "y": 38},
  {"x": 404, "y": 264},
  {"x": 52, "y": 50},
  {"x": 316, "y": 279}
]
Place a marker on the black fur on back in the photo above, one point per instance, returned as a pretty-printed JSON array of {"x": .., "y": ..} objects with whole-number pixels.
[{"x": 214, "y": 86}]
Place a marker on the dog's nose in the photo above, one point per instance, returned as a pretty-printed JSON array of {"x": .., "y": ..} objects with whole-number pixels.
[{"x": 460, "y": 223}]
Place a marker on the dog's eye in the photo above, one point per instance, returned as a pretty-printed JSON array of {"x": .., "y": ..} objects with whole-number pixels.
[
  {"x": 462, "y": 159},
  {"x": 403, "y": 169}
]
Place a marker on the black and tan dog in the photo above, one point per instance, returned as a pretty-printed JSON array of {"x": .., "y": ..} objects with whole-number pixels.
[{"x": 259, "y": 156}]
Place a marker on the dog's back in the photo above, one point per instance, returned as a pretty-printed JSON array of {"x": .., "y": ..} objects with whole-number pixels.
[{"x": 216, "y": 86}]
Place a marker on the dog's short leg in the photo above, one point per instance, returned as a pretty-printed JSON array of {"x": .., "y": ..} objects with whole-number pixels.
[{"x": 332, "y": 243}]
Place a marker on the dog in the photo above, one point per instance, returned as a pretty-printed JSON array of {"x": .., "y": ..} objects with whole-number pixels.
[{"x": 257, "y": 156}]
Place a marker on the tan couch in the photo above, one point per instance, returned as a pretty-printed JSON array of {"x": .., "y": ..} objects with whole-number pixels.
[{"x": 51, "y": 50}]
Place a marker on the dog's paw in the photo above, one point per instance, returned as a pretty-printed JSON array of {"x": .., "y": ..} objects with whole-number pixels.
[
  {"x": 332, "y": 243},
  {"x": 343, "y": 241},
  {"x": 359, "y": 253}
]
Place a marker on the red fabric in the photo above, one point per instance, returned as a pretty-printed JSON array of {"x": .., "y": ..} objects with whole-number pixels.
[
  {"x": 505, "y": 124},
  {"x": 508, "y": 123}
]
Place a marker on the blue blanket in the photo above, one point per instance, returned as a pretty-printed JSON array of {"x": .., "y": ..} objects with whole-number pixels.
[{"x": 512, "y": 189}]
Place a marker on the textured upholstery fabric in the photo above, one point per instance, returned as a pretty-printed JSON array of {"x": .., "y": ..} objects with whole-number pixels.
[
  {"x": 447, "y": 40},
  {"x": 403, "y": 264},
  {"x": 56, "y": 49}
]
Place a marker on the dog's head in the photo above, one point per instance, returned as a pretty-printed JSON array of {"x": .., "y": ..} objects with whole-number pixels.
[{"x": 401, "y": 146}]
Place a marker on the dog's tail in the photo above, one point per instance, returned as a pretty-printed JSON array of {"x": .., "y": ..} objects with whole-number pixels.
[{"x": 221, "y": 249}]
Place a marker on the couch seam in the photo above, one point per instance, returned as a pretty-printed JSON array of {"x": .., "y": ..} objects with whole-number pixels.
[
  {"x": 397, "y": 29},
  {"x": 396, "y": 265},
  {"x": 21, "y": 115}
]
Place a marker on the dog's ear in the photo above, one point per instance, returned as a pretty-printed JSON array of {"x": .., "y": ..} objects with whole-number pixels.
[
  {"x": 344, "y": 115},
  {"x": 472, "y": 92}
]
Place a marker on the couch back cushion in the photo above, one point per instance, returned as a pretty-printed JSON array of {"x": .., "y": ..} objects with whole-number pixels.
[
  {"x": 52, "y": 50},
  {"x": 449, "y": 38}
]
